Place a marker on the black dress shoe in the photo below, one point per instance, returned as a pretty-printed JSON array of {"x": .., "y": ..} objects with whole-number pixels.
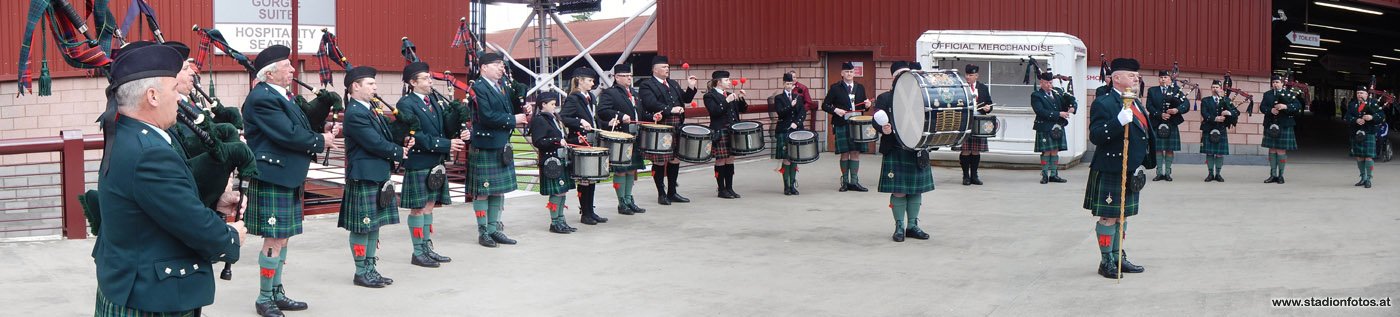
[
  {"x": 677, "y": 198},
  {"x": 967, "y": 181},
  {"x": 555, "y": 228},
  {"x": 732, "y": 193},
  {"x": 844, "y": 187},
  {"x": 1367, "y": 185},
  {"x": 1210, "y": 178},
  {"x": 486, "y": 241},
  {"x": 1044, "y": 179},
  {"x": 898, "y": 236},
  {"x": 635, "y": 208},
  {"x": 501, "y": 238},
  {"x": 1272, "y": 179},
  {"x": 283, "y": 302},
  {"x": 916, "y": 233},
  {"x": 1057, "y": 179},
  {"x": 794, "y": 190},
  {"x": 663, "y": 200},
  {"x": 566, "y": 226},
  {"x": 269, "y": 309},
  {"x": 424, "y": 261},
  {"x": 623, "y": 209},
  {"x": 976, "y": 181},
  {"x": 367, "y": 281},
  {"x": 434, "y": 255},
  {"x": 1280, "y": 179},
  {"x": 1109, "y": 270},
  {"x": 1167, "y": 177},
  {"x": 787, "y": 191},
  {"x": 597, "y": 218},
  {"x": 1360, "y": 182},
  {"x": 585, "y": 219},
  {"x": 857, "y": 187},
  {"x": 1218, "y": 178},
  {"x": 725, "y": 194},
  {"x": 1129, "y": 267},
  {"x": 1157, "y": 178}
]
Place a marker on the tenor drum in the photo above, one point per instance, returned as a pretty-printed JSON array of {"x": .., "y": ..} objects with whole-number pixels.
[
  {"x": 656, "y": 139},
  {"x": 696, "y": 144},
  {"x": 862, "y": 129},
  {"x": 589, "y": 163},
  {"x": 931, "y": 109},
  {"x": 747, "y": 138},
  {"x": 619, "y": 146},
  {"x": 985, "y": 126},
  {"x": 802, "y": 147}
]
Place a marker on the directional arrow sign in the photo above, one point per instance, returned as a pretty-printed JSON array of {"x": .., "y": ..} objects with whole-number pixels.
[{"x": 1300, "y": 38}]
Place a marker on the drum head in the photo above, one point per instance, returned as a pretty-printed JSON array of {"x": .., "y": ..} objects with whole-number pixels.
[
  {"x": 695, "y": 130},
  {"x": 915, "y": 92},
  {"x": 801, "y": 135},
  {"x": 615, "y": 135},
  {"x": 744, "y": 125},
  {"x": 656, "y": 126},
  {"x": 861, "y": 119},
  {"x": 589, "y": 150}
]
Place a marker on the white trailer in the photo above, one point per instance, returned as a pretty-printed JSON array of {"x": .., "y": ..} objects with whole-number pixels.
[{"x": 1002, "y": 57}]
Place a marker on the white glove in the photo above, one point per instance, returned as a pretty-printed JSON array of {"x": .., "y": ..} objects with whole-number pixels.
[
  {"x": 1125, "y": 116},
  {"x": 881, "y": 118}
]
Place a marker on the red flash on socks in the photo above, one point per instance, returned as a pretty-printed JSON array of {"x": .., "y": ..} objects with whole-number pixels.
[
  {"x": 1105, "y": 240},
  {"x": 267, "y": 272},
  {"x": 480, "y": 213},
  {"x": 359, "y": 249},
  {"x": 418, "y": 232}
]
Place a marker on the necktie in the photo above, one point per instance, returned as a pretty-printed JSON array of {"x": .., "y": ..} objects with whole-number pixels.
[
  {"x": 430, "y": 104},
  {"x": 1141, "y": 119},
  {"x": 290, "y": 97}
]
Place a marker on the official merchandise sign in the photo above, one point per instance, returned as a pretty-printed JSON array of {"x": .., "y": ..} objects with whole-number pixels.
[{"x": 253, "y": 25}]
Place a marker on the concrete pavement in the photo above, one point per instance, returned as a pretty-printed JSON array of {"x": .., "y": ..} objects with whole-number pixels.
[{"x": 1010, "y": 248}]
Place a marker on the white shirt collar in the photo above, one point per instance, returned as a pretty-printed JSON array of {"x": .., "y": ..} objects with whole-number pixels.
[
  {"x": 159, "y": 131},
  {"x": 364, "y": 103},
  {"x": 420, "y": 96},
  {"x": 279, "y": 89},
  {"x": 721, "y": 91}
]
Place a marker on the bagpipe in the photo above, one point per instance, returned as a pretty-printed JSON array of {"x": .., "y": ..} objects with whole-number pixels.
[
  {"x": 1229, "y": 86},
  {"x": 325, "y": 105},
  {"x": 457, "y": 112},
  {"x": 1177, "y": 90},
  {"x": 1381, "y": 98},
  {"x": 1068, "y": 101},
  {"x": 70, "y": 31}
]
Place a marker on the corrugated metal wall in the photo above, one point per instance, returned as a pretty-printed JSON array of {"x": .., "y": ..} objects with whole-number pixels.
[
  {"x": 369, "y": 32},
  {"x": 1203, "y": 35}
]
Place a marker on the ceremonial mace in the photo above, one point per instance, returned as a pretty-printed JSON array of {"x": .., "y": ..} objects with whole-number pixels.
[{"x": 1129, "y": 97}]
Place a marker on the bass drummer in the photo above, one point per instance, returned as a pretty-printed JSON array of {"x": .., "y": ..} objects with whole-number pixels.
[
  {"x": 580, "y": 114},
  {"x": 724, "y": 107},
  {"x": 619, "y": 109},
  {"x": 790, "y": 112},
  {"x": 904, "y": 173}
]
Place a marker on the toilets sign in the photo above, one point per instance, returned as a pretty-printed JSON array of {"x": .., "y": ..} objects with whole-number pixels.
[{"x": 253, "y": 25}]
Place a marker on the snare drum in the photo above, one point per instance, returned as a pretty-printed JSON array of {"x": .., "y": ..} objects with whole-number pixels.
[
  {"x": 656, "y": 139},
  {"x": 802, "y": 147},
  {"x": 747, "y": 138},
  {"x": 931, "y": 109},
  {"x": 589, "y": 163},
  {"x": 695, "y": 145},
  {"x": 985, "y": 126},
  {"x": 861, "y": 129},
  {"x": 619, "y": 146}
]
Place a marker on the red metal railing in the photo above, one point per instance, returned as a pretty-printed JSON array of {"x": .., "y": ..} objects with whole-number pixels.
[{"x": 71, "y": 145}]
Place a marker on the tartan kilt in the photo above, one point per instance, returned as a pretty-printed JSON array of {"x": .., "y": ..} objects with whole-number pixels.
[
  {"x": 273, "y": 211},
  {"x": 1287, "y": 139},
  {"x": 558, "y": 185},
  {"x": 637, "y": 163},
  {"x": 1173, "y": 140},
  {"x": 900, "y": 172},
  {"x": 720, "y": 150},
  {"x": 1222, "y": 148},
  {"x": 359, "y": 210},
  {"x": 1365, "y": 148},
  {"x": 106, "y": 308},
  {"x": 780, "y": 146},
  {"x": 662, "y": 159},
  {"x": 415, "y": 194},
  {"x": 843, "y": 141},
  {"x": 1101, "y": 196},
  {"x": 973, "y": 145},
  {"x": 488, "y": 176},
  {"x": 1044, "y": 143}
]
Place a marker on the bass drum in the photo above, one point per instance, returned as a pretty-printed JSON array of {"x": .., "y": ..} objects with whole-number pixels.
[{"x": 931, "y": 109}]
